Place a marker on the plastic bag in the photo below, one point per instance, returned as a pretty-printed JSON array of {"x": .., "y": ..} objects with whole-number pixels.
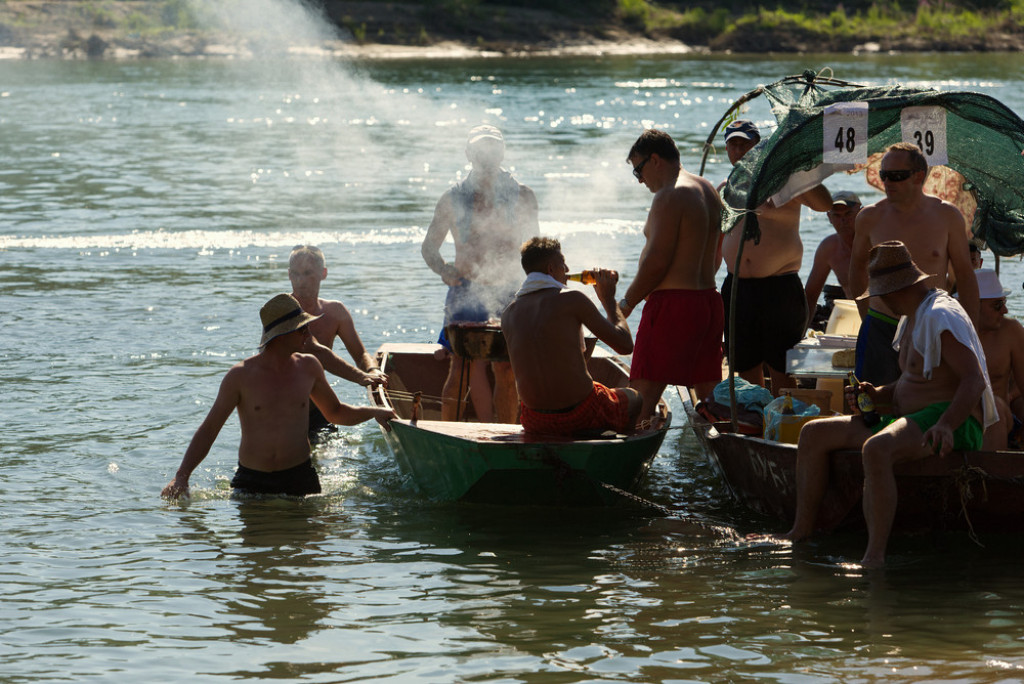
[
  {"x": 773, "y": 415},
  {"x": 748, "y": 395}
]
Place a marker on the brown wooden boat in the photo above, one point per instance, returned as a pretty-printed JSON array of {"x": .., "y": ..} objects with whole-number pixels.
[{"x": 977, "y": 491}]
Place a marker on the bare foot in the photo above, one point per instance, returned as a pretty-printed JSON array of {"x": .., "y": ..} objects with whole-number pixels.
[
  {"x": 872, "y": 563},
  {"x": 795, "y": 535}
]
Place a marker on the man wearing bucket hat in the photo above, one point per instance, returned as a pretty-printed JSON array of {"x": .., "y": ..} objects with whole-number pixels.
[
  {"x": 941, "y": 401},
  {"x": 489, "y": 215},
  {"x": 1003, "y": 341},
  {"x": 272, "y": 391}
]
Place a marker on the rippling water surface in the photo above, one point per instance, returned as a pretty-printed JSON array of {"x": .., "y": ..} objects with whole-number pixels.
[{"x": 147, "y": 211}]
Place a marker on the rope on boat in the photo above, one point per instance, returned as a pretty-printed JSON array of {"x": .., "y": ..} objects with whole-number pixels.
[
  {"x": 411, "y": 396},
  {"x": 630, "y": 496},
  {"x": 964, "y": 478}
]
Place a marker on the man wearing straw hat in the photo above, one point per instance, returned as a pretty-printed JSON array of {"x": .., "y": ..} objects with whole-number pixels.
[
  {"x": 272, "y": 391},
  {"x": 941, "y": 401}
]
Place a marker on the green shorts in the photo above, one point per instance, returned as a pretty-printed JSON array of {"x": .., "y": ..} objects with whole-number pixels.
[{"x": 967, "y": 437}]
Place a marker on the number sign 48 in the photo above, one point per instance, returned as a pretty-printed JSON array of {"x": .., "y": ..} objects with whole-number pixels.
[{"x": 845, "y": 138}]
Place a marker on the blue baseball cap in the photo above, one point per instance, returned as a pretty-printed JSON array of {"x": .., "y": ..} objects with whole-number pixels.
[{"x": 742, "y": 128}]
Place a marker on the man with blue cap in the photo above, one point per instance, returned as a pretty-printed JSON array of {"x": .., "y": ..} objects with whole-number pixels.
[{"x": 771, "y": 308}]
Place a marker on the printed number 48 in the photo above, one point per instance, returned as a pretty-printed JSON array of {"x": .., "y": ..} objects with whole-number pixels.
[
  {"x": 925, "y": 141},
  {"x": 846, "y": 139}
]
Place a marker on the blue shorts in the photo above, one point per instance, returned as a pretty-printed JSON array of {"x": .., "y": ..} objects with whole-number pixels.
[{"x": 877, "y": 362}]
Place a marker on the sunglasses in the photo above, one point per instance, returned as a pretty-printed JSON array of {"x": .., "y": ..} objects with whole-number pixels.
[
  {"x": 638, "y": 170},
  {"x": 998, "y": 304},
  {"x": 895, "y": 175}
]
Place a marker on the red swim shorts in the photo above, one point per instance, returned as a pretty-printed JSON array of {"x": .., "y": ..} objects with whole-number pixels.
[
  {"x": 603, "y": 408},
  {"x": 679, "y": 340}
]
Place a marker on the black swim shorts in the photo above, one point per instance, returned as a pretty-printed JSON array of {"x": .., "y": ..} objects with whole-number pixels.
[
  {"x": 771, "y": 317},
  {"x": 295, "y": 481}
]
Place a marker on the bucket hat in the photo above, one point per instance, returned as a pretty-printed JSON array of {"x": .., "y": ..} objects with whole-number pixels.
[
  {"x": 891, "y": 268},
  {"x": 282, "y": 315}
]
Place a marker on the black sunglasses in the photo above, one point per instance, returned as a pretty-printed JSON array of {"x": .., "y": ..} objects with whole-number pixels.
[
  {"x": 895, "y": 175},
  {"x": 638, "y": 170}
]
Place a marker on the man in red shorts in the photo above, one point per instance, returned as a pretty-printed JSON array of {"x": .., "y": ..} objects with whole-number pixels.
[
  {"x": 679, "y": 340},
  {"x": 543, "y": 328}
]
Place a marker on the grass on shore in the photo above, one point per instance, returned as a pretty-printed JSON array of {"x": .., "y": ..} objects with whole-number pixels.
[
  {"x": 936, "y": 22},
  {"x": 740, "y": 26}
]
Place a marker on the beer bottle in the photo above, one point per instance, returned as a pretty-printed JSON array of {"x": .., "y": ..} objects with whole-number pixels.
[
  {"x": 585, "y": 277},
  {"x": 787, "y": 406},
  {"x": 864, "y": 403}
]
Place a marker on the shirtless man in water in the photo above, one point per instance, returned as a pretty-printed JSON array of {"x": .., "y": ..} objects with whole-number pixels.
[
  {"x": 942, "y": 400},
  {"x": 543, "y": 327},
  {"x": 771, "y": 308},
  {"x": 679, "y": 340},
  {"x": 307, "y": 269},
  {"x": 272, "y": 391},
  {"x": 488, "y": 215},
  {"x": 935, "y": 233}
]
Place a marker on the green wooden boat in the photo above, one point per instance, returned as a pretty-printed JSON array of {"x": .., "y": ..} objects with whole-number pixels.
[{"x": 499, "y": 463}]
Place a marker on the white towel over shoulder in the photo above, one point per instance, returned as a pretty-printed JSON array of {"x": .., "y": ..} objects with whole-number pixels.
[
  {"x": 537, "y": 281},
  {"x": 936, "y": 314}
]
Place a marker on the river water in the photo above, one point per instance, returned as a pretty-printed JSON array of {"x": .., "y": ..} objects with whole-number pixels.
[{"x": 148, "y": 209}]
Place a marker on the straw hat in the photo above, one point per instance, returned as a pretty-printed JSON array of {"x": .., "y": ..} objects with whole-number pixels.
[
  {"x": 282, "y": 315},
  {"x": 891, "y": 268}
]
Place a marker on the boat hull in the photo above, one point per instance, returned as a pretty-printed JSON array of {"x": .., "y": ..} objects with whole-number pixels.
[
  {"x": 498, "y": 463},
  {"x": 488, "y": 469},
  {"x": 977, "y": 491}
]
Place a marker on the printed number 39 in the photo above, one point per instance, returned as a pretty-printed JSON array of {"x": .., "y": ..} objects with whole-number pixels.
[
  {"x": 925, "y": 141},
  {"x": 846, "y": 139}
]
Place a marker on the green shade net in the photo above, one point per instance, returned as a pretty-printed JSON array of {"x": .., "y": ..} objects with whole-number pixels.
[{"x": 984, "y": 140}]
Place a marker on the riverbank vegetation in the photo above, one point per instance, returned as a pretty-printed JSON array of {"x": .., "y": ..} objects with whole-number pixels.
[{"x": 98, "y": 28}]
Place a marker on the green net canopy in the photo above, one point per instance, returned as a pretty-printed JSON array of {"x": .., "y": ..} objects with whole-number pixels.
[{"x": 827, "y": 126}]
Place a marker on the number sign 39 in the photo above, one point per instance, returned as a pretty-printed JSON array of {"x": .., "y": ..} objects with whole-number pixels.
[
  {"x": 845, "y": 138},
  {"x": 926, "y": 128}
]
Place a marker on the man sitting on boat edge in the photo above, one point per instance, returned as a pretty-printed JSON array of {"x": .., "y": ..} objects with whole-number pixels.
[
  {"x": 942, "y": 400},
  {"x": 543, "y": 329}
]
